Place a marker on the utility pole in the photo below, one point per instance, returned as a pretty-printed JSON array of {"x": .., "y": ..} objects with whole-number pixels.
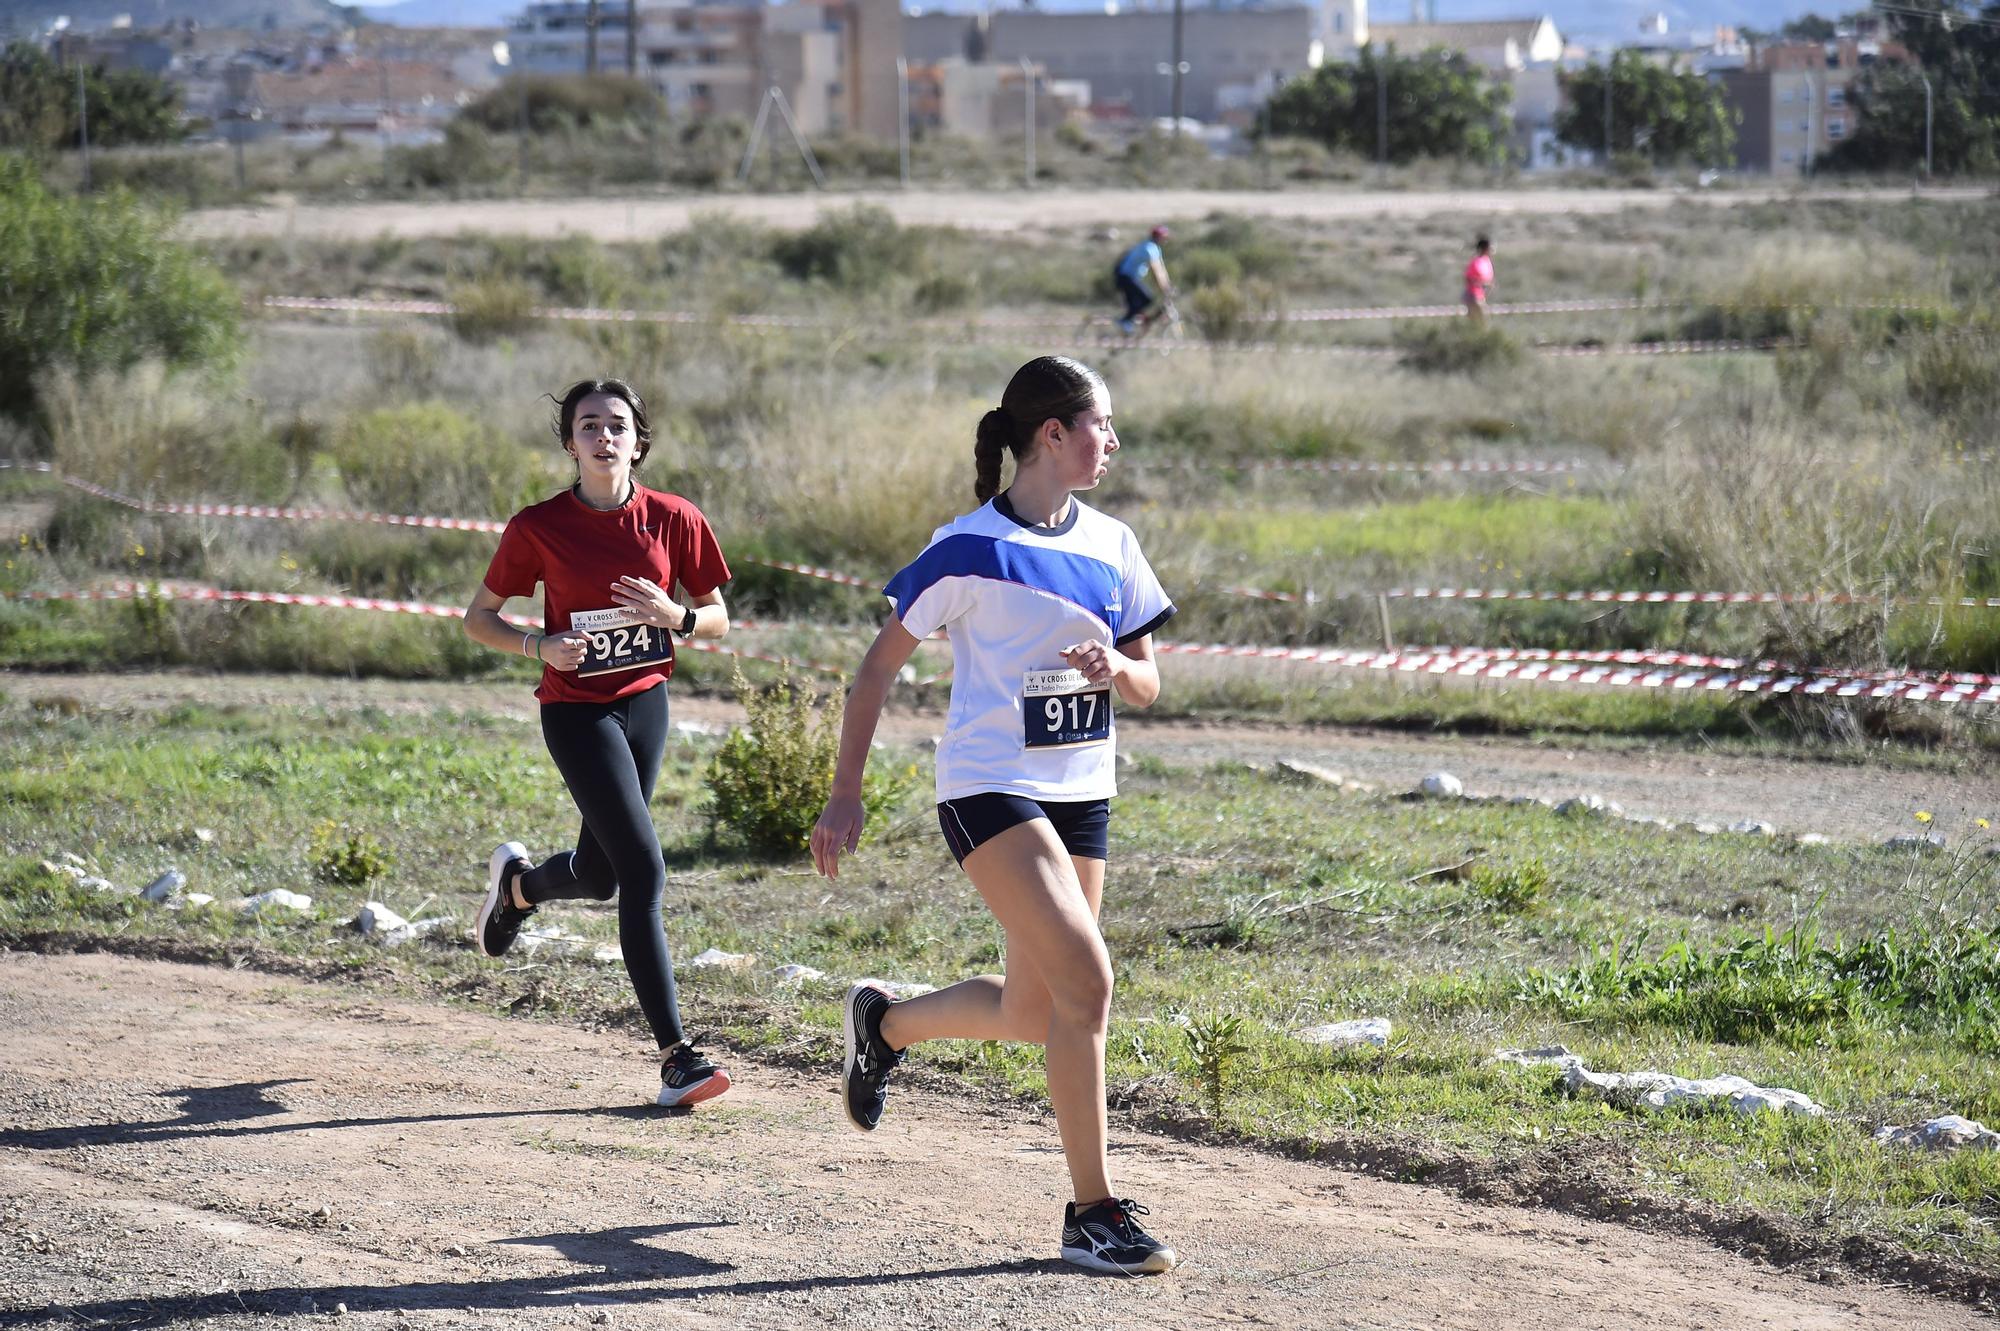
[
  {"x": 631, "y": 39},
  {"x": 1180, "y": 68},
  {"x": 1028, "y": 114},
  {"x": 903, "y": 118},
  {"x": 382, "y": 119},
  {"x": 590, "y": 17}
]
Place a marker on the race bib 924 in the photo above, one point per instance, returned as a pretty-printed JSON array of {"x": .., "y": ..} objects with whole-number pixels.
[
  {"x": 618, "y": 641},
  {"x": 1060, "y": 708}
]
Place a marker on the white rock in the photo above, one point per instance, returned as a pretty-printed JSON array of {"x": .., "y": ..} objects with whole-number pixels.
[
  {"x": 378, "y": 918},
  {"x": 67, "y": 870},
  {"x": 1442, "y": 785},
  {"x": 1813, "y": 839},
  {"x": 1925, "y": 841},
  {"x": 1548, "y": 1054},
  {"x": 904, "y": 988},
  {"x": 793, "y": 973},
  {"x": 1951, "y": 1132},
  {"x": 547, "y": 935},
  {"x": 411, "y": 932},
  {"x": 192, "y": 901},
  {"x": 1661, "y": 1090},
  {"x": 700, "y": 729},
  {"x": 1344, "y": 1034},
  {"x": 1752, "y": 827},
  {"x": 1305, "y": 774},
  {"x": 71, "y": 857},
  {"x": 204, "y": 835},
  {"x": 166, "y": 885},
  {"x": 1705, "y": 829},
  {"x": 610, "y": 954},
  {"x": 278, "y": 898},
  {"x": 716, "y": 959},
  {"x": 95, "y": 883},
  {"x": 1588, "y": 806}
]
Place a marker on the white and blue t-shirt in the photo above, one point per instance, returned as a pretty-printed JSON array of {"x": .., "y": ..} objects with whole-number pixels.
[
  {"x": 1136, "y": 262},
  {"x": 1011, "y": 595}
]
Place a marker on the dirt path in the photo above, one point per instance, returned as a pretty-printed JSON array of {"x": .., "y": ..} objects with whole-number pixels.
[
  {"x": 1846, "y": 802},
  {"x": 648, "y": 218},
  {"x": 192, "y": 1146}
]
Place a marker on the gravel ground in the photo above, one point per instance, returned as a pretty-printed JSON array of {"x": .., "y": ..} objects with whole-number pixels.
[
  {"x": 649, "y": 218},
  {"x": 204, "y": 1147}
]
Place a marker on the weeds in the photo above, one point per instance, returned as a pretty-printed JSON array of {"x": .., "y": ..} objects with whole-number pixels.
[{"x": 1216, "y": 1043}]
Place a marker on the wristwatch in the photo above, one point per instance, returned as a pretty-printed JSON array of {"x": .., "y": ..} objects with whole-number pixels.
[{"x": 687, "y": 625}]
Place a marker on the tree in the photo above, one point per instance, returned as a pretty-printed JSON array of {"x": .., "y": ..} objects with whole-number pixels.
[
  {"x": 1962, "y": 61},
  {"x": 97, "y": 283},
  {"x": 38, "y": 111},
  {"x": 1660, "y": 113},
  {"x": 1439, "y": 105}
]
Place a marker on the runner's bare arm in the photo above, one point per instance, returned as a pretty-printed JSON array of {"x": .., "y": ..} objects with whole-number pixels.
[
  {"x": 839, "y": 828},
  {"x": 484, "y": 626}
]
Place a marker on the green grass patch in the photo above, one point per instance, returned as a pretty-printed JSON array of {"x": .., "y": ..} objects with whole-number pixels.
[{"x": 1861, "y": 977}]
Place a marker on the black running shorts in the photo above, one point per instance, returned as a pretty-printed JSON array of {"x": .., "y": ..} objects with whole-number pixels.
[{"x": 1083, "y": 826}]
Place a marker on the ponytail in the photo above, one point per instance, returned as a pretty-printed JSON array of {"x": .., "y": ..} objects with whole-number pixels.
[
  {"x": 1046, "y": 388},
  {"x": 996, "y": 434}
]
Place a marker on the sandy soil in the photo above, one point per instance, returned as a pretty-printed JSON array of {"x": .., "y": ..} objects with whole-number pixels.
[
  {"x": 645, "y": 219},
  {"x": 1845, "y": 802},
  {"x": 195, "y": 1146}
]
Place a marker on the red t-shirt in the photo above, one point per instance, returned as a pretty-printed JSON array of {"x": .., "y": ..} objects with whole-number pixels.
[{"x": 577, "y": 552}]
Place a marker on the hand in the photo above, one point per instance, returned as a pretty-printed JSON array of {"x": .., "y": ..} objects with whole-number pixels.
[
  {"x": 838, "y": 830},
  {"x": 649, "y": 601},
  {"x": 564, "y": 651},
  {"x": 1099, "y": 664}
]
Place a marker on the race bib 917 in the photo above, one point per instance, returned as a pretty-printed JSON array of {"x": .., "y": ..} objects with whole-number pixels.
[
  {"x": 1061, "y": 708},
  {"x": 618, "y": 641}
]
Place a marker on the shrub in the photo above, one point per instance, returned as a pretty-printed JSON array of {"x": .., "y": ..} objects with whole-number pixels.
[
  {"x": 857, "y": 249},
  {"x": 1514, "y": 890},
  {"x": 770, "y": 779},
  {"x": 563, "y": 102},
  {"x": 95, "y": 284},
  {"x": 434, "y": 458},
  {"x": 1954, "y": 370},
  {"x": 1456, "y": 346},
  {"x": 1215, "y": 1044},
  {"x": 346, "y": 857},
  {"x": 491, "y": 308}
]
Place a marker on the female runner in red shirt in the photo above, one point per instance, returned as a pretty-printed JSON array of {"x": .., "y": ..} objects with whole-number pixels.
[{"x": 608, "y": 552}]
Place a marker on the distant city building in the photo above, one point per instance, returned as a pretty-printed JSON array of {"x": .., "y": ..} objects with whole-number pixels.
[
  {"x": 1794, "y": 100},
  {"x": 1234, "y": 56},
  {"x": 834, "y": 60}
]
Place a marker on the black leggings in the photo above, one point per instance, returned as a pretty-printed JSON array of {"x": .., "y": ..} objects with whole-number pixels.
[{"x": 609, "y": 756}]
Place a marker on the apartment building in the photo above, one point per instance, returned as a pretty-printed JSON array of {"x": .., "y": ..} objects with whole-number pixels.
[
  {"x": 1794, "y": 100},
  {"x": 834, "y": 60},
  {"x": 1234, "y": 57}
]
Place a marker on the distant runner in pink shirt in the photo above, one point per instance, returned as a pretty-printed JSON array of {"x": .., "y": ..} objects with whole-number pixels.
[{"x": 1478, "y": 277}]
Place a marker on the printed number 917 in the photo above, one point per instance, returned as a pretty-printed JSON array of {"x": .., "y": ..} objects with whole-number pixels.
[{"x": 1081, "y": 713}]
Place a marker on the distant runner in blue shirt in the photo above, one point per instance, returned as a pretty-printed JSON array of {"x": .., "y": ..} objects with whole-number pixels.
[{"x": 1134, "y": 266}]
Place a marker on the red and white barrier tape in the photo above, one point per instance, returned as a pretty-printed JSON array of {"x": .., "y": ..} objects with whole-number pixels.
[
  {"x": 1608, "y": 597},
  {"x": 171, "y": 591},
  {"x": 12, "y": 464},
  {"x": 1350, "y": 466},
  {"x": 1581, "y": 668},
  {"x": 288, "y": 514}
]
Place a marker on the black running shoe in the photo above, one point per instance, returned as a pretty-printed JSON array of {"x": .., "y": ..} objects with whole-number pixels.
[
  {"x": 1105, "y": 1237},
  {"x": 687, "y": 1078},
  {"x": 864, "y": 1077},
  {"x": 499, "y": 918}
]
